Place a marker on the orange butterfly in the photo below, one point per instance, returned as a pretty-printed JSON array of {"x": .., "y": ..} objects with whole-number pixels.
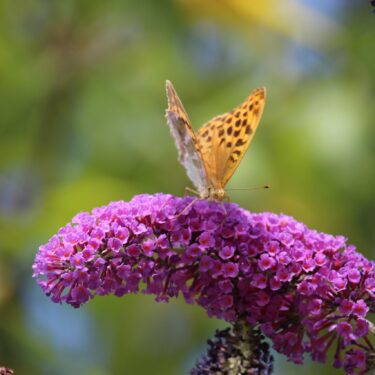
[{"x": 211, "y": 155}]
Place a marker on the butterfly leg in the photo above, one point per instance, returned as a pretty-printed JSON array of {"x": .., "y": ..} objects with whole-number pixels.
[
  {"x": 185, "y": 209},
  {"x": 224, "y": 209},
  {"x": 189, "y": 190}
]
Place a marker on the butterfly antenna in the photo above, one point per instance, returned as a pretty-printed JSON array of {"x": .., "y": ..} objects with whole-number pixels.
[{"x": 253, "y": 188}]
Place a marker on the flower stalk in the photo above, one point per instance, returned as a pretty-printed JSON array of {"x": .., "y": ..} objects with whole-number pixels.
[{"x": 240, "y": 350}]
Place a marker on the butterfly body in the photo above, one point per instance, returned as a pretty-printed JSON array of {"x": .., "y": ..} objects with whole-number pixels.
[
  {"x": 214, "y": 193},
  {"x": 212, "y": 155}
]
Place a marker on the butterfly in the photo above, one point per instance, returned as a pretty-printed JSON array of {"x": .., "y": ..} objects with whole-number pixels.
[{"x": 212, "y": 155}]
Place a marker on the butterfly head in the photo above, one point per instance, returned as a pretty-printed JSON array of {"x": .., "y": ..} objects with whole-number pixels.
[{"x": 214, "y": 194}]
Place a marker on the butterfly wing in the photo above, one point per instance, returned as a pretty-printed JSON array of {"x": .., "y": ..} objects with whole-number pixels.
[
  {"x": 224, "y": 140},
  {"x": 185, "y": 139}
]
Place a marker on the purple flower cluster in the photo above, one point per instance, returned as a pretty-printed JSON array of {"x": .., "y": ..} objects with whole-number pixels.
[{"x": 307, "y": 291}]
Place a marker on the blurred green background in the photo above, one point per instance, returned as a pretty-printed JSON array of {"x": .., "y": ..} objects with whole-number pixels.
[{"x": 82, "y": 123}]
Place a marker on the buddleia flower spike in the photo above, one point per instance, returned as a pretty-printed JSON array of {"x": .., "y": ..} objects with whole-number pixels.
[{"x": 307, "y": 292}]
